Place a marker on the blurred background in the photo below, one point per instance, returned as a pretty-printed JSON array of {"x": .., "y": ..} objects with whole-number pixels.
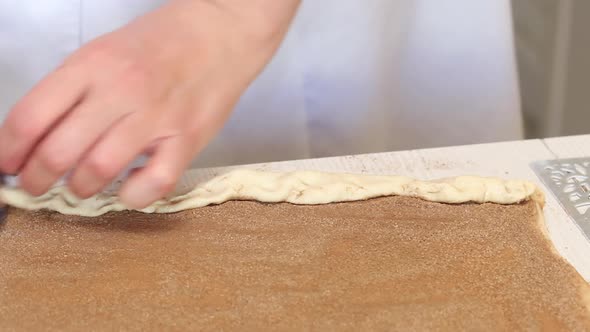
[{"x": 553, "y": 55}]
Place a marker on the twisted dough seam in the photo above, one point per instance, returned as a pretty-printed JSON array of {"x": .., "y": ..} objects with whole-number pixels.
[{"x": 299, "y": 187}]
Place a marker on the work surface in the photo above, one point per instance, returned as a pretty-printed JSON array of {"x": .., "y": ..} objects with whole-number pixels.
[
  {"x": 509, "y": 160},
  {"x": 395, "y": 263},
  {"x": 243, "y": 260}
]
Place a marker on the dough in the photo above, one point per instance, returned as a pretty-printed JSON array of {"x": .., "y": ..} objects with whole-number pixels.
[
  {"x": 300, "y": 187},
  {"x": 384, "y": 264}
]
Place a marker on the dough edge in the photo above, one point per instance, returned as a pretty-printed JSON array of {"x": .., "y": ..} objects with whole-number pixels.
[{"x": 296, "y": 187}]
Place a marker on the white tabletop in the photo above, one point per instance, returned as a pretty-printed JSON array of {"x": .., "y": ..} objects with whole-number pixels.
[{"x": 509, "y": 160}]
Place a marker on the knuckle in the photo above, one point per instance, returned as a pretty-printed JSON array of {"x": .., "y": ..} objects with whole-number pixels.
[
  {"x": 80, "y": 190},
  {"x": 127, "y": 73},
  {"x": 101, "y": 167},
  {"x": 54, "y": 162},
  {"x": 20, "y": 124},
  {"x": 164, "y": 180}
]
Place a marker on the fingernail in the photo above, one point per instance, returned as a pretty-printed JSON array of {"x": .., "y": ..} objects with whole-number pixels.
[{"x": 140, "y": 195}]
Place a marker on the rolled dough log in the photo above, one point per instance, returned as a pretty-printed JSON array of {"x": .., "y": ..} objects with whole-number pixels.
[{"x": 300, "y": 187}]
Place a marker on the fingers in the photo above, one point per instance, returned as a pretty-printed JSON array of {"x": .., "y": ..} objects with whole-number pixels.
[
  {"x": 67, "y": 142},
  {"x": 170, "y": 157},
  {"x": 112, "y": 154},
  {"x": 159, "y": 176},
  {"x": 170, "y": 150},
  {"x": 34, "y": 115}
]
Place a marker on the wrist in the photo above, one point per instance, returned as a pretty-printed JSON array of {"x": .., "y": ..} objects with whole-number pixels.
[{"x": 262, "y": 20}]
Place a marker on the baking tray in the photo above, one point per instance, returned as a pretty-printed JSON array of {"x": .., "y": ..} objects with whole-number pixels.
[{"x": 568, "y": 180}]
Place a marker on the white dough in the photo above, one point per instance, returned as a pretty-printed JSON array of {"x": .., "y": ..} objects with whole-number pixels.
[{"x": 300, "y": 187}]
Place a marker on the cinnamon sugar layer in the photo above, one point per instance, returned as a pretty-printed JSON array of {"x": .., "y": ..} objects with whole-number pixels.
[{"x": 385, "y": 263}]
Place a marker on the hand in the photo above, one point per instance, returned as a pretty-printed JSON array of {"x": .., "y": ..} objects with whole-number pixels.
[{"x": 162, "y": 86}]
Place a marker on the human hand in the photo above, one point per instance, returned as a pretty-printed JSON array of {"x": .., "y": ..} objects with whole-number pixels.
[{"x": 162, "y": 86}]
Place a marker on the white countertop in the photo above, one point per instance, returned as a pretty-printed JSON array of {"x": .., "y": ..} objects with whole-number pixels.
[{"x": 506, "y": 160}]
